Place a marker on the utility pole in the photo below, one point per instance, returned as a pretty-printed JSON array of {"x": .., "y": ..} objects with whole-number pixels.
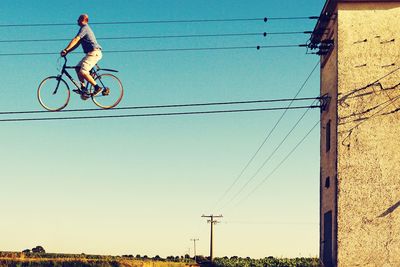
[
  {"x": 194, "y": 243},
  {"x": 212, "y": 222}
]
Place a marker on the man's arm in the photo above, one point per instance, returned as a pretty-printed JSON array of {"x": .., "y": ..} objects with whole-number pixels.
[{"x": 71, "y": 46}]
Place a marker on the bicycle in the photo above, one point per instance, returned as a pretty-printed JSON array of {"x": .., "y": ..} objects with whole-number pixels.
[{"x": 54, "y": 92}]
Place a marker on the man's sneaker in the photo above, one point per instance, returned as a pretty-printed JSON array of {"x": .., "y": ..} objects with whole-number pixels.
[
  {"x": 78, "y": 91},
  {"x": 106, "y": 91},
  {"x": 97, "y": 91},
  {"x": 85, "y": 95}
]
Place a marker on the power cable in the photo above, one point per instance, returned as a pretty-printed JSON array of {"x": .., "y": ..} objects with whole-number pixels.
[
  {"x": 154, "y": 114},
  {"x": 386, "y": 104},
  {"x": 263, "y": 34},
  {"x": 376, "y": 82},
  {"x": 167, "y": 49},
  {"x": 265, "y": 19},
  {"x": 266, "y": 138},
  {"x": 280, "y": 164},
  {"x": 270, "y": 156},
  {"x": 166, "y": 106},
  {"x": 270, "y": 222}
]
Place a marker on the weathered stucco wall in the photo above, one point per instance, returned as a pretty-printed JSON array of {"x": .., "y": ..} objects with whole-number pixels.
[
  {"x": 368, "y": 144},
  {"x": 329, "y": 79}
]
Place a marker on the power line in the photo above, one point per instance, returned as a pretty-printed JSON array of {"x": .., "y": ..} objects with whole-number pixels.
[
  {"x": 266, "y": 138},
  {"x": 376, "y": 82},
  {"x": 265, "y": 19},
  {"x": 153, "y": 114},
  {"x": 263, "y": 34},
  {"x": 168, "y": 49},
  {"x": 386, "y": 104},
  {"x": 280, "y": 163},
  {"x": 167, "y": 106},
  {"x": 270, "y": 156},
  {"x": 270, "y": 223}
]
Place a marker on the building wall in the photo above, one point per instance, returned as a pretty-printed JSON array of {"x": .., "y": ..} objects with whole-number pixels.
[
  {"x": 329, "y": 81},
  {"x": 368, "y": 134}
]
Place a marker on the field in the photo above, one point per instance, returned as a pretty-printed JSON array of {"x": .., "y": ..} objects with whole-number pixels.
[
  {"x": 266, "y": 262},
  {"x": 20, "y": 259}
]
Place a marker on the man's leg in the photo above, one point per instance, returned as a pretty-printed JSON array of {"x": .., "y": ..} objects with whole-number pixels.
[
  {"x": 86, "y": 65},
  {"x": 84, "y": 75},
  {"x": 80, "y": 77}
]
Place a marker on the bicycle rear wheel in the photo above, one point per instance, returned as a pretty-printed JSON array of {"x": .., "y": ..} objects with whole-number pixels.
[
  {"x": 53, "y": 93},
  {"x": 116, "y": 91}
]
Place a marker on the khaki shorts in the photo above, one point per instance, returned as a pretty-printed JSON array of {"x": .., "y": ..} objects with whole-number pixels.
[{"x": 91, "y": 59}]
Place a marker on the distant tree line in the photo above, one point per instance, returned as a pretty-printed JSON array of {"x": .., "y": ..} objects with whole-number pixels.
[
  {"x": 236, "y": 261},
  {"x": 37, "y": 249}
]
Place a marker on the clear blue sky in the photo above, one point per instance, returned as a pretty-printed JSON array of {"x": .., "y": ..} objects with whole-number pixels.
[{"x": 140, "y": 185}]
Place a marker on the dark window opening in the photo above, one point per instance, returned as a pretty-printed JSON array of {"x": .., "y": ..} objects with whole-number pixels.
[
  {"x": 328, "y": 136},
  {"x": 327, "y": 258},
  {"x": 327, "y": 182}
]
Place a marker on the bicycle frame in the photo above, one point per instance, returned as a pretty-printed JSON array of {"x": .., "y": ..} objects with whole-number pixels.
[
  {"x": 112, "y": 90},
  {"x": 93, "y": 72}
]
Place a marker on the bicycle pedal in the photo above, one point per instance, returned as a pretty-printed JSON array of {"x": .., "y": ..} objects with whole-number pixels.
[
  {"x": 85, "y": 97},
  {"x": 105, "y": 92},
  {"x": 77, "y": 91}
]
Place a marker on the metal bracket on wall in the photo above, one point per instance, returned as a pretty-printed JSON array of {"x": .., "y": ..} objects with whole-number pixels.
[{"x": 324, "y": 102}]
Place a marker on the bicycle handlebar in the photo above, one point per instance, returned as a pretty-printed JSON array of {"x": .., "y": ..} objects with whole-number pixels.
[{"x": 65, "y": 59}]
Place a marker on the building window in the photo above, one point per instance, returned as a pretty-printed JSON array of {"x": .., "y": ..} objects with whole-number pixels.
[
  {"x": 327, "y": 256},
  {"x": 327, "y": 182},
  {"x": 328, "y": 136}
]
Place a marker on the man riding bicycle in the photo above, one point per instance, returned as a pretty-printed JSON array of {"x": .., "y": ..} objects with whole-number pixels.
[{"x": 93, "y": 53}]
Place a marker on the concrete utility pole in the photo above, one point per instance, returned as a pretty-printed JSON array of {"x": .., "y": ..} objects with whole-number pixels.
[
  {"x": 194, "y": 243},
  {"x": 212, "y": 222}
]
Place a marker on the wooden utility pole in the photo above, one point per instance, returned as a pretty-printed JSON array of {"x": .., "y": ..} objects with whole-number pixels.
[
  {"x": 212, "y": 222},
  {"x": 194, "y": 244}
]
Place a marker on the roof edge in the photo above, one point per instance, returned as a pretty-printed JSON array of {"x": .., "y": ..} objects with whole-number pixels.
[
  {"x": 327, "y": 12},
  {"x": 323, "y": 21}
]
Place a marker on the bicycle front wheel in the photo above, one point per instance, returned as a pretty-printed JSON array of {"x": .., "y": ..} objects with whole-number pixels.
[
  {"x": 53, "y": 93},
  {"x": 115, "y": 90}
]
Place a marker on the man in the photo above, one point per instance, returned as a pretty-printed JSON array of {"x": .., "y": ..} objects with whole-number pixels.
[{"x": 93, "y": 53}]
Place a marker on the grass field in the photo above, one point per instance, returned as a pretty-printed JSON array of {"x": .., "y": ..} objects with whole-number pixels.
[
  {"x": 21, "y": 259},
  {"x": 18, "y": 259}
]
